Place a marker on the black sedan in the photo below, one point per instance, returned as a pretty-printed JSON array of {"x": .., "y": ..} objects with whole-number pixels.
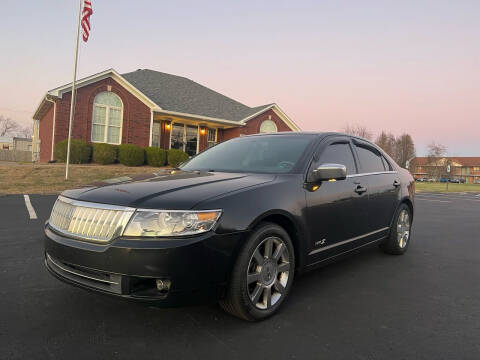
[{"x": 234, "y": 224}]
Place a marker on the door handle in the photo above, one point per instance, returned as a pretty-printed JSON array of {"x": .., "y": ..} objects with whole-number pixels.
[
  {"x": 360, "y": 189},
  {"x": 396, "y": 183}
]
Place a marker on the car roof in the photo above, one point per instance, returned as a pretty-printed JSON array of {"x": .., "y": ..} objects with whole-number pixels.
[{"x": 310, "y": 133}]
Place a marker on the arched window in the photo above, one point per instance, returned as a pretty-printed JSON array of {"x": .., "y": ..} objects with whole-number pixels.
[
  {"x": 268, "y": 126},
  {"x": 107, "y": 118}
]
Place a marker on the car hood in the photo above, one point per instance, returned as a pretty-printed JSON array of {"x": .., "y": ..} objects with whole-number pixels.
[{"x": 174, "y": 190}]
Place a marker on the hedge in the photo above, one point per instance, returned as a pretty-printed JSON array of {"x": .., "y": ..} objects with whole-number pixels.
[
  {"x": 104, "y": 154},
  {"x": 80, "y": 151},
  {"x": 131, "y": 155},
  {"x": 155, "y": 156},
  {"x": 176, "y": 157}
]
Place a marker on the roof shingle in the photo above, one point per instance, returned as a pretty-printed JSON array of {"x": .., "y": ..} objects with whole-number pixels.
[{"x": 179, "y": 94}]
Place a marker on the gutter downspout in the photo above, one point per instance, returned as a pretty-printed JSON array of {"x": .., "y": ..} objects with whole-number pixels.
[{"x": 151, "y": 128}]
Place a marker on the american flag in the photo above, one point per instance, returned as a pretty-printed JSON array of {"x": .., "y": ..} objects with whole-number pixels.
[{"x": 86, "y": 12}]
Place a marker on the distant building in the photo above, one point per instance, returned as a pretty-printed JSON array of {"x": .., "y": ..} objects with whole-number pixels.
[
  {"x": 22, "y": 144},
  {"x": 6, "y": 143},
  {"x": 148, "y": 108},
  {"x": 15, "y": 143},
  {"x": 467, "y": 168}
]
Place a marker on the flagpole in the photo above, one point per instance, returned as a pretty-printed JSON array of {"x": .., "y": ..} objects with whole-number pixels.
[{"x": 72, "y": 100}]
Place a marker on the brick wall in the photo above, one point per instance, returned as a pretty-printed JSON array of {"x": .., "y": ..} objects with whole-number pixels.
[
  {"x": 203, "y": 139},
  {"x": 136, "y": 117}
]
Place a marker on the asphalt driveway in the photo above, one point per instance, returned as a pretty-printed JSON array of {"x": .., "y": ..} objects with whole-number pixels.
[{"x": 423, "y": 305}]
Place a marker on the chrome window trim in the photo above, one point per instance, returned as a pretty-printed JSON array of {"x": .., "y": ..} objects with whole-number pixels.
[
  {"x": 372, "y": 173},
  {"x": 347, "y": 241}
]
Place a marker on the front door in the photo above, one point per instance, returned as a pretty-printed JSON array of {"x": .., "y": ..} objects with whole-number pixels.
[
  {"x": 185, "y": 138},
  {"x": 336, "y": 213},
  {"x": 176, "y": 136},
  {"x": 191, "y": 139}
]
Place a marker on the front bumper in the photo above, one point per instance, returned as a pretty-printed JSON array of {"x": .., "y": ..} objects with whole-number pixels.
[{"x": 198, "y": 268}]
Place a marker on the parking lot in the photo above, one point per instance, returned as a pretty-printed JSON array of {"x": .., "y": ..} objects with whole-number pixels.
[{"x": 423, "y": 305}]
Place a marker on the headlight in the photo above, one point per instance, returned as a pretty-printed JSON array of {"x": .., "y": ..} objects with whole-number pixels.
[{"x": 152, "y": 223}]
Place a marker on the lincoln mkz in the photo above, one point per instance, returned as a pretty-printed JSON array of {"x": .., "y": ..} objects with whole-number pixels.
[{"x": 234, "y": 224}]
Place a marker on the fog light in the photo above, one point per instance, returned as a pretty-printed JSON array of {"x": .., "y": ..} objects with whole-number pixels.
[{"x": 163, "y": 285}]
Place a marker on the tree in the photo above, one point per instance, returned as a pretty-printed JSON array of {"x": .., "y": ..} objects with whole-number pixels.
[
  {"x": 8, "y": 127},
  {"x": 358, "y": 130},
  {"x": 25, "y": 132},
  {"x": 404, "y": 149},
  {"x": 387, "y": 142},
  {"x": 437, "y": 164}
]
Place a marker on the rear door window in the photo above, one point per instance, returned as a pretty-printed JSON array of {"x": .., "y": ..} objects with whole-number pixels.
[
  {"x": 370, "y": 159},
  {"x": 386, "y": 164}
]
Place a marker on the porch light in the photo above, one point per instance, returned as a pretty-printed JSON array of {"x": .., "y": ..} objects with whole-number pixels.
[
  {"x": 202, "y": 131},
  {"x": 167, "y": 125}
]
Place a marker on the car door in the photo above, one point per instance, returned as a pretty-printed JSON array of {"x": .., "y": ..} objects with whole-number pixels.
[
  {"x": 383, "y": 185},
  {"x": 336, "y": 210}
]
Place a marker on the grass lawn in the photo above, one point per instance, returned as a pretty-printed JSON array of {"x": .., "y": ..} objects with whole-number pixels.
[
  {"x": 50, "y": 179},
  {"x": 442, "y": 187}
]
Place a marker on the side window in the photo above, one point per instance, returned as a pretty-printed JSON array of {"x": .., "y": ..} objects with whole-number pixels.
[
  {"x": 339, "y": 153},
  {"x": 370, "y": 160},
  {"x": 386, "y": 164}
]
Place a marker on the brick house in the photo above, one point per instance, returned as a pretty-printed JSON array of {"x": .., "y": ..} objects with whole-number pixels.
[
  {"x": 148, "y": 108},
  {"x": 467, "y": 168}
]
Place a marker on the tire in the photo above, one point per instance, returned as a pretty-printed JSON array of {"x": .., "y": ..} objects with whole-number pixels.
[
  {"x": 399, "y": 238},
  {"x": 269, "y": 260}
]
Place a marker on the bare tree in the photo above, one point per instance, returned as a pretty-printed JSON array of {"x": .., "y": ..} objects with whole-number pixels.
[
  {"x": 437, "y": 164},
  {"x": 404, "y": 149},
  {"x": 8, "y": 127},
  {"x": 25, "y": 132},
  {"x": 387, "y": 142},
  {"x": 358, "y": 130}
]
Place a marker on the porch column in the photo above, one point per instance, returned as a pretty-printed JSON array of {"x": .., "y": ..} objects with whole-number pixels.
[{"x": 151, "y": 129}]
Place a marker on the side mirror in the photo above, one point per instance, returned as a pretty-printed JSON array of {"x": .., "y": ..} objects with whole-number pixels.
[{"x": 327, "y": 172}]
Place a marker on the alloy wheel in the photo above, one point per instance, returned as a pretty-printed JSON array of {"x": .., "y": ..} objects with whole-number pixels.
[
  {"x": 403, "y": 228},
  {"x": 268, "y": 272}
]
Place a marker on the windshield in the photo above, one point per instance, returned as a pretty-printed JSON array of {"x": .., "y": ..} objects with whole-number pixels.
[{"x": 274, "y": 154}]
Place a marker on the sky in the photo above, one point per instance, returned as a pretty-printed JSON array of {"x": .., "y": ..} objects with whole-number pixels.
[{"x": 399, "y": 66}]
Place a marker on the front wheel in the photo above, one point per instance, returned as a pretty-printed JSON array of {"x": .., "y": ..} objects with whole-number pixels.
[
  {"x": 262, "y": 275},
  {"x": 399, "y": 238}
]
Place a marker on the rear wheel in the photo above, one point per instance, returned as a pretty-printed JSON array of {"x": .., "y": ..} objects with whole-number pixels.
[
  {"x": 399, "y": 238},
  {"x": 263, "y": 274}
]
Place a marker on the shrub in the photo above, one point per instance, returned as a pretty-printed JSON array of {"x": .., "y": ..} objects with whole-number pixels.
[
  {"x": 175, "y": 157},
  {"x": 155, "y": 156},
  {"x": 104, "y": 154},
  {"x": 80, "y": 151},
  {"x": 116, "y": 148},
  {"x": 131, "y": 155}
]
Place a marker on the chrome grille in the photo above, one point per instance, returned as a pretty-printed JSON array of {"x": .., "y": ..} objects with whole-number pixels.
[{"x": 89, "y": 221}]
